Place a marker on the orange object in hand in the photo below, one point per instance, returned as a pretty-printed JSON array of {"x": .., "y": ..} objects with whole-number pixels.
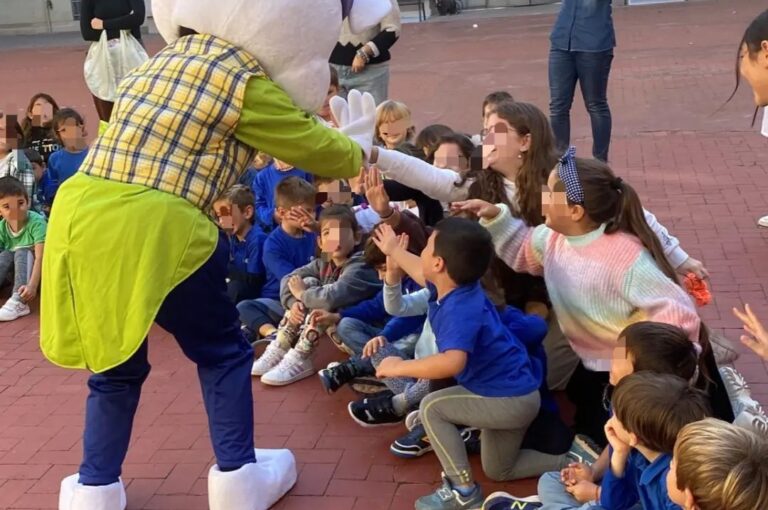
[{"x": 698, "y": 289}]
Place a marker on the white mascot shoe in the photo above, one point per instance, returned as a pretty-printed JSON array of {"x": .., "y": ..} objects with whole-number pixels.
[
  {"x": 254, "y": 486},
  {"x": 76, "y": 496}
]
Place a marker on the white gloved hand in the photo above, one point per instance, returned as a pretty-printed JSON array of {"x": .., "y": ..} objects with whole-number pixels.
[{"x": 356, "y": 118}]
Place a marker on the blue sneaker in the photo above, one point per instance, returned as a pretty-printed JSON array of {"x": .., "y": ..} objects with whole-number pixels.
[
  {"x": 584, "y": 450},
  {"x": 416, "y": 443},
  {"x": 506, "y": 501},
  {"x": 448, "y": 498}
]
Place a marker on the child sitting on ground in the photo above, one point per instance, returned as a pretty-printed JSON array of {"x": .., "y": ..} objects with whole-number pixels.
[
  {"x": 246, "y": 268},
  {"x": 337, "y": 279},
  {"x": 13, "y": 161},
  {"x": 393, "y": 124},
  {"x": 356, "y": 325},
  {"x": 37, "y": 129},
  {"x": 264, "y": 185},
  {"x": 497, "y": 391},
  {"x": 718, "y": 466},
  {"x": 41, "y": 177},
  {"x": 22, "y": 236},
  {"x": 69, "y": 128},
  {"x": 650, "y": 410},
  {"x": 290, "y": 246},
  {"x": 489, "y": 104}
]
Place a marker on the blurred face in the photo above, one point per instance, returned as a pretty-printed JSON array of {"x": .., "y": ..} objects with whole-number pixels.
[
  {"x": 394, "y": 133},
  {"x": 71, "y": 132},
  {"x": 223, "y": 211},
  {"x": 448, "y": 155},
  {"x": 555, "y": 205},
  {"x": 754, "y": 70},
  {"x": 325, "y": 110},
  {"x": 41, "y": 113},
  {"x": 621, "y": 365},
  {"x": 503, "y": 147},
  {"x": 241, "y": 219},
  {"x": 676, "y": 495},
  {"x": 8, "y": 140},
  {"x": 334, "y": 192},
  {"x": 336, "y": 240},
  {"x": 14, "y": 210}
]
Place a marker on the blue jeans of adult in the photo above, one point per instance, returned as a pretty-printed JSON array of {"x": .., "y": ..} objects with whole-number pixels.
[
  {"x": 374, "y": 78},
  {"x": 590, "y": 70},
  {"x": 199, "y": 314}
]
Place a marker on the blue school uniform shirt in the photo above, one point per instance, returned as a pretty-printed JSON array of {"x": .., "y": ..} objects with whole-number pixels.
[
  {"x": 283, "y": 254},
  {"x": 246, "y": 256},
  {"x": 497, "y": 362},
  {"x": 62, "y": 165},
  {"x": 584, "y": 25},
  {"x": 263, "y": 187},
  {"x": 644, "y": 482}
]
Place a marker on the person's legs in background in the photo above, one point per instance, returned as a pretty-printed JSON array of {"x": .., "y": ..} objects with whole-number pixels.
[
  {"x": 354, "y": 334},
  {"x": 593, "y": 70},
  {"x": 374, "y": 79},
  {"x": 562, "y": 85}
]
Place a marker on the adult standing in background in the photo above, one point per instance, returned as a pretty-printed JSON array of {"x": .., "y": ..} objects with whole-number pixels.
[
  {"x": 362, "y": 60},
  {"x": 112, "y": 16},
  {"x": 582, "y": 43}
]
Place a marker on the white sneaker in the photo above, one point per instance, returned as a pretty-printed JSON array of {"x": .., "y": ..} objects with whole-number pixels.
[
  {"x": 269, "y": 360},
  {"x": 255, "y": 486},
  {"x": 75, "y": 496},
  {"x": 294, "y": 367},
  {"x": 13, "y": 309},
  {"x": 763, "y": 222}
]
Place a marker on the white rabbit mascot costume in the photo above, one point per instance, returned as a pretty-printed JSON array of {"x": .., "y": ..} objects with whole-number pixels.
[{"x": 131, "y": 241}]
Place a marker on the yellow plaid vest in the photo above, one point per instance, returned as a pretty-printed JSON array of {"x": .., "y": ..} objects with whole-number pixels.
[{"x": 173, "y": 125}]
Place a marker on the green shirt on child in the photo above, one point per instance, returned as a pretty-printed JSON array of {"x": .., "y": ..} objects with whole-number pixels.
[{"x": 33, "y": 233}]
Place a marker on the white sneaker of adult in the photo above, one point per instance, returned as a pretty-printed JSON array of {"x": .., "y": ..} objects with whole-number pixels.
[
  {"x": 255, "y": 486},
  {"x": 763, "y": 222},
  {"x": 75, "y": 496},
  {"x": 13, "y": 309},
  {"x": 294, "y": 367},
  {"x": 271, "y": 357}
]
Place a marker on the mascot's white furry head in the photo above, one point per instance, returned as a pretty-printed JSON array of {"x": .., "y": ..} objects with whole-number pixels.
[{"x": 291, "y": 39}]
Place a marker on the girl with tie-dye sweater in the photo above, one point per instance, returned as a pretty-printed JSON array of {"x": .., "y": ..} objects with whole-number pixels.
[{"x": 603, "y": 266}]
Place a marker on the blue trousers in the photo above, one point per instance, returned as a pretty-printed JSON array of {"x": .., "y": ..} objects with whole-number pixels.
[
  {"x": 199, "y": 314},
  {"x": 590, "y": 70}
]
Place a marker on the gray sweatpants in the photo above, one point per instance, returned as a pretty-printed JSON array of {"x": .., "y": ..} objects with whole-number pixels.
[
  {"x": 503, "y": 422},
  {"x": 21, "y": 262}
]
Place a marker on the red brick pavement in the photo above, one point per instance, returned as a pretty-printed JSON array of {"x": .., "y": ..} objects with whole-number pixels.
[{"x": 702, "y": 171}]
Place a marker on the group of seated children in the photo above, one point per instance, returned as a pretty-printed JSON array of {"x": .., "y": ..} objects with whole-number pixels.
[{"x": 452, "y": 317}]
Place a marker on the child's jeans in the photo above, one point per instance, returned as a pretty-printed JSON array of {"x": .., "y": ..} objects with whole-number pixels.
[
  {"x": 503, "y": 421},
  {"x": 21, "y": 261},
  {"x": 355, "y": 333},
  {"x": 255, "y": 313},
  {"x": 553, "y": 495}
]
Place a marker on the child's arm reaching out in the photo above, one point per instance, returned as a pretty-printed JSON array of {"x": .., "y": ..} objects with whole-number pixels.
[
  {"x": 756, "y": 337},
  {"x": 394, "y": 247},
  {"x": 438, "y": 366}
]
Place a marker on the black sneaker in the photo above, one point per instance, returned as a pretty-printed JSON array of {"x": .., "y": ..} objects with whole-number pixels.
[
  {"x": 374, "y": 412},
  {"x": 334, "y": 377},
  {"x": 471, "y": 437},
  {"x": 416, "y": 442}
]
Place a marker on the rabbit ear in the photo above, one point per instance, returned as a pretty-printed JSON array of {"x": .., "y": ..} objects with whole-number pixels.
[{"x": 365, "y": 14}]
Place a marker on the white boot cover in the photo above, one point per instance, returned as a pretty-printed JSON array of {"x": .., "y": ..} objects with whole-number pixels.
[
  {"x": 76, "y": 496},
  {"x": 254, "y": 486}
]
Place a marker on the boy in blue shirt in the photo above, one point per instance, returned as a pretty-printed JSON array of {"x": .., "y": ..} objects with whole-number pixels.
[
  {"x": 264, "y": 186},
  {"x": 290, "y": 246},
  {"x": 497, "y": 391},
  {"x": 246, "y": 269},
  {"x": 69, "y": 127}
]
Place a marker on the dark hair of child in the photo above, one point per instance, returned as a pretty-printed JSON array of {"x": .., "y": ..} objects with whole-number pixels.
[
  {"x": 294, "y": 191},
  {"x": 410, "y": 149},
  {"x": 26, "y": 123},
  {"x": 466, "y": 147},
  {"x": 372, "y": 255},
  {"x": 12, "y": 187},
  {"x": 241, "y": 196},
  {"x": 63, "y": 115},
  {"x": 427, "y": 140},
  {"x": 341, "y": 213},
  {"x": 495, "y": 98},
  {"x": 465, "y": 246},
  {"x": 34, "y": 157},
  {"x": 655, "y": 407}
]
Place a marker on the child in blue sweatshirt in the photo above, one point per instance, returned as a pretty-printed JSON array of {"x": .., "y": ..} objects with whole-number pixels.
[
  {"x": 290, "y": 246},
  {"x": 246, "y": 270},
  {"x": 498, "y": 389},
  {"x": 69, "y": 128},
  {"x": 264, "y": 186}
]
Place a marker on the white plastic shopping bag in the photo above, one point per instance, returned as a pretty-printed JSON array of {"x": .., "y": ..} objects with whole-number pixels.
[{"x": 108, "y": 62}]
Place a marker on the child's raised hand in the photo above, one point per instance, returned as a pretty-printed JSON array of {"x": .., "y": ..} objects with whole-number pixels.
[
  {"x": 373, "y": 346},
  {"x": 386, "y": 239},
  {"x": 376, "y": 194},
  {"x": 479, "y": 208},
  {"x": 303, "y": 218},
  {"x": 388, "y": 367},
  {"x": 756, "y": 337}
]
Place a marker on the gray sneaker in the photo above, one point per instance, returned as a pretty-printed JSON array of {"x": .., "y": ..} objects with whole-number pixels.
[
  {"x": 448, "y": 498},
  {"x": 583, "y": 450}
]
